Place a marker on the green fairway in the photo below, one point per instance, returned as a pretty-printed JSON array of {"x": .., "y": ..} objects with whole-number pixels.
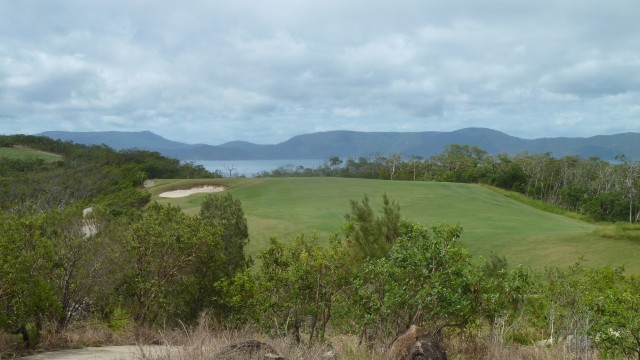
[
  {"x": 27, "y": 154},
  {"x": 492, "y": 222}
]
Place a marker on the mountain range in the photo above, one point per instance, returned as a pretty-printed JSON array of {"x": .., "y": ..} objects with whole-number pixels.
[{"x": 354, "y": 144}]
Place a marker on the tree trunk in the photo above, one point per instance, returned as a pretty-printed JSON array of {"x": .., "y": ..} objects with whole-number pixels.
[
  {"x": 22, "y": 330},
  {"x": 296, "y": 330}
]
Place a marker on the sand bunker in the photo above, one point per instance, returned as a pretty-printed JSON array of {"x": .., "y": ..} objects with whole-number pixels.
[{"x": 193, "y": 190}]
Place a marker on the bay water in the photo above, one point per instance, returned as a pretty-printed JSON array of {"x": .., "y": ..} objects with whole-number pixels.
[{"x": 250, "y": 168}]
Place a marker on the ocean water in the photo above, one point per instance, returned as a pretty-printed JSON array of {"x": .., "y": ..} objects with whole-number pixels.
[{"x": 249, "y": 168}]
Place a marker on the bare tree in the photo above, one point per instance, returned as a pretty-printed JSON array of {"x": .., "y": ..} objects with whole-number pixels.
[
  {"x": 415, "y": 160},
  {"x": 393, "y": 162},
  {"x": 230, "y": 168}
]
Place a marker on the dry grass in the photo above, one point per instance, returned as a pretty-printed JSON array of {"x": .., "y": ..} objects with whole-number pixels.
[
  {"x": 10, "y": 345},
  {"x": 202, "y": 342},
  {"x": 474, "y": 350},
  {"x": 86, "y": 334},
  {"x": 80, "y": 335}
]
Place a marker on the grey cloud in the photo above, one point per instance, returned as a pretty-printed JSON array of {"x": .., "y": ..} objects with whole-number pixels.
[
  {"x": 425, "y": 108},
  {"x": 594, "y": 78},
  {"x": 264, "y": 71},
  {"x": 61, "y": 88}
]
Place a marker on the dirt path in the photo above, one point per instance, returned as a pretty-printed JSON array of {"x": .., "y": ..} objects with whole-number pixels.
[{"x": 98, "y": 353}]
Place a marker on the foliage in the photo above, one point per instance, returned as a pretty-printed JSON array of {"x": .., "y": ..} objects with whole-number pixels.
[
  {"x": 313, "y": 275},
  {"x": 502, "y": 295},
  {"x": 427, "y": 278},
  {"x": 58, "y": 266},
  {"x": 26, "y": 260},
  {"x": 614, "y": 300},
  {"x": 588, "y": 307},
  {"x": 223, "y": 215},
  {"x": 369, "y": 236},
  {"x": 168, "y": 248},
  {"x": 609, "y": 206},
  {"x": 85, "y": 174},
  {"x": 125, "y": 203},
  {"x": 88, "y": 261},
  {"x": 557, "y": 306},
  {"x": 225, "y": 212},
  {"x": 157, "y": 166}
]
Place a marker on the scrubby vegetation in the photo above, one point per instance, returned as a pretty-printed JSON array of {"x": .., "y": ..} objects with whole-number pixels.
[
  {"x": 87, "y": 174},
  {"x": 58, "y": 267},
  {"x": 129, "y": 267}
]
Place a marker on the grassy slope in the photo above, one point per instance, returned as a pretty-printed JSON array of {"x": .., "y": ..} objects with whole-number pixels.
[
  {"x": 491, "y": 222},
  {"x": 27, "y": 154}
]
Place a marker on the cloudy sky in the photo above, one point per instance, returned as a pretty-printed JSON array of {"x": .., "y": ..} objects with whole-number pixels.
[{"x": 265, "y": 70}]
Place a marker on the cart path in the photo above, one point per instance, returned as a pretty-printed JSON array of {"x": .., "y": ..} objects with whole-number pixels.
[{"x": 128, "y": 352}]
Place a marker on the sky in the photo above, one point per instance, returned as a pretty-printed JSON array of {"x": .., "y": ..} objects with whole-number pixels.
[{"x": 266, "y": 70}]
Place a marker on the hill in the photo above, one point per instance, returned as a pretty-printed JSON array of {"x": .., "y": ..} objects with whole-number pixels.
[
  {"x": 355, "y": 144},
  {"x": 118, "y": 140},
  {"x": 492, "y": 222}
]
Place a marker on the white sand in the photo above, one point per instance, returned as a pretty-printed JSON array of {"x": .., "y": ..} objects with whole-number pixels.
[{"x": 194, "y": 190}]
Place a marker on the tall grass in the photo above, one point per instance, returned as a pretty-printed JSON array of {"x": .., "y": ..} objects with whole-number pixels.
[
  {"x": 87, "y": 333},
  {"x": 202, "y": 341},
  {"x": 619, "y": 231},
  {"x": 470, "y": 350},
  {"x": 538, "y": 204}
]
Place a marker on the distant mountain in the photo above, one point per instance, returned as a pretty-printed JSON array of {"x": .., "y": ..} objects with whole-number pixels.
[
  {"x": 355, "y": 144},
  {"x": 119, "y": 140}
]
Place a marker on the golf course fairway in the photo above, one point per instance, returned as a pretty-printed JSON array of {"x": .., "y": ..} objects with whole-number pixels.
[{"x": 286, "y": 207}]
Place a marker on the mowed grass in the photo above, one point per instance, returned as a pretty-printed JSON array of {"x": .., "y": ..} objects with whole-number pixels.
[
  {"x": 22, "y": 153},
  {"x": 492, "y": 222}
]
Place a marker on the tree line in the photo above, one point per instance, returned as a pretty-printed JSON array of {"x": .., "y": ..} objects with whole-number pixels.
[{"x": 598, "y": 189}]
